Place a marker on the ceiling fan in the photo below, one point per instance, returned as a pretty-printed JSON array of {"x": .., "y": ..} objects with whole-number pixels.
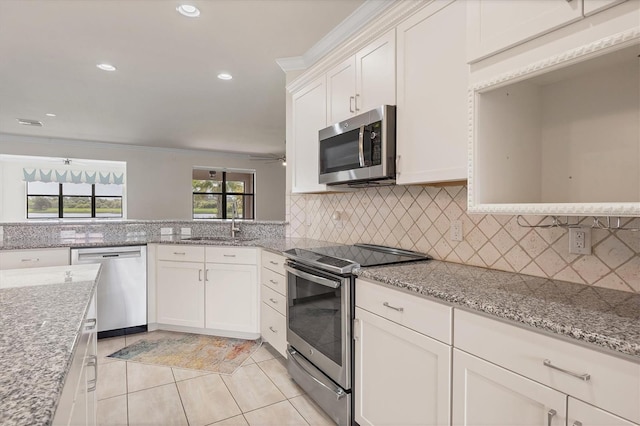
[{"x": 270, "y": 158}]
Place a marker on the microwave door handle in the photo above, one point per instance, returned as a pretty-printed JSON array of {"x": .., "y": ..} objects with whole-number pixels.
[
  {"x": 361, "y": 146},
  {"x": 313, "y": 278}
]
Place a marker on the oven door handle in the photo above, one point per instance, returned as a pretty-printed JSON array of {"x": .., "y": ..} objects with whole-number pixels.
[
  {"x": 302, "y": 364},
  {"x": 313, "y": 278}
]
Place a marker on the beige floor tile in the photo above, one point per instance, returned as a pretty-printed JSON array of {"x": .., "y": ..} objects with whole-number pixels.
[
  {"x": 107, "y": 347},
  {"x": 277, "y": 371},
  {"x": 156, "y": 406},
  {"x": 113, "y": 411},
  {"x": 144, "y": 376},
  {"x": 251, "y": 388},
  {"x": 313, "y": 414},
  {"x": 206, "y": 400},
  {"x": 248, "y": 361},
  {"x": 278, "y": 414},
  {"x": 184, "y": 374},
  {"x": 112, "y": 379},
  {"x": 265, "y": 353},
  {"x": 233, "y": 421}
]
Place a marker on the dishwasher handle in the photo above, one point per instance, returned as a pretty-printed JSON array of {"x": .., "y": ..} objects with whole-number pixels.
[{"x": 87, "y": 255}]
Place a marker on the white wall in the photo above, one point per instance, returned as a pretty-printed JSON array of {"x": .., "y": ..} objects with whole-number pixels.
[{"x": 158, "y": 181}]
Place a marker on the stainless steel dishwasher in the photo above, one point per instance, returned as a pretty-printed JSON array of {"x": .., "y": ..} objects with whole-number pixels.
[{"x": 122, "y": 287}]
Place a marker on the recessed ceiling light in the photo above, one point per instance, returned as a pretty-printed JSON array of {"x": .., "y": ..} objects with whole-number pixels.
[
  {"x": 28, "y": 122},
  {"x": 225, "y": 76},
  {"x": 50, "y": 114},
  {"x": 188, "y": 10},
  {"x": 106, "y": 67}
]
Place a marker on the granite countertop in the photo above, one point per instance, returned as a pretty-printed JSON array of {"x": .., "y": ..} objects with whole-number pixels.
[
  {"x": 41, "y": 317},
  {"x": 607, "y": 318}
]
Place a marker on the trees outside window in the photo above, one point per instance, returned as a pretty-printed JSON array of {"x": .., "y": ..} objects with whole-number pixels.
[{"x": 216, "y": 191}]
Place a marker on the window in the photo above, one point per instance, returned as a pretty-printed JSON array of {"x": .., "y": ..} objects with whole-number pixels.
[
  {"x": 216, "y": 191},
  {"x": 73, "y": 200}
]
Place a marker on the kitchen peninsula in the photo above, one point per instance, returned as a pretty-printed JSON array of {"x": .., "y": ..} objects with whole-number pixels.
[{"x": 46, "y": 320}]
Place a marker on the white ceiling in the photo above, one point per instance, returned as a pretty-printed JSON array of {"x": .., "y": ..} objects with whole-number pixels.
[{"x": 165, "y": 92}]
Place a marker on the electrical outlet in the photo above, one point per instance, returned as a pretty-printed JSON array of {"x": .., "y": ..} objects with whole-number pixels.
[
  {"x": 185, "y": 231},
  {"x": 166, "y": 231},
  {"x": 580, "y": 240},
  {"x": 456, "y": 230}
]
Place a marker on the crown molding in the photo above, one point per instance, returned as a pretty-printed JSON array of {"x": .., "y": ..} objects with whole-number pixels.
[{"x": 345, "y": 29}]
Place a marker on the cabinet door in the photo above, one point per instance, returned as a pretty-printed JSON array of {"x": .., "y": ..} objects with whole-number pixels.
[
  {"x": 309, "y": 113},
  {"x": 273, "y": 327},
  {"x": 376, "y": 74},
  {"x": 341, "y": 91},
  {"x": 180, "y": 293},
  {"x": 581, "y": 414},
  {"x": 495, "y": 25},
  {"x": 401, "y": 377},
  {"x": 485, "y": 394},
  {"x": 231, "y": 297},
  {"x": 432, "y": 95}
]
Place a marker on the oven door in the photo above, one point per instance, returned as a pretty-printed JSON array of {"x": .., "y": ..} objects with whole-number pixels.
[{"x": 318, "y": 320}]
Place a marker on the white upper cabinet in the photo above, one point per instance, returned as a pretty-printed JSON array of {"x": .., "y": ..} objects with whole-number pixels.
[
  {"x": 309, "y": 116},
  {"x": 363, "y": 81},
  {"x": 432, "y": 117},
  {"x": 496, "y": 25}
]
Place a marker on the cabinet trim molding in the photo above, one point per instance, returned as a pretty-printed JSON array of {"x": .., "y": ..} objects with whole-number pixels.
[{"x": 614, "y": 42}]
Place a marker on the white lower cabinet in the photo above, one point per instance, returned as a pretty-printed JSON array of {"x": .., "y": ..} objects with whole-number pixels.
[
  {"x": 581, "y": 414},
  {"x": 401, "y": 376},
  {"x": 77, "y": 404},
  {"x": 231, "y": 297},
  {"x": 180, "y": 293},
  {"x": 273, "y": 309},
  {"x": 34, "y": 258},
  {"x": 485, "y": 394}
]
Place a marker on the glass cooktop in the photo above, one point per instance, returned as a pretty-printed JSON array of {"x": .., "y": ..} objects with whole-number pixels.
[{"x": 343, "y": 259}]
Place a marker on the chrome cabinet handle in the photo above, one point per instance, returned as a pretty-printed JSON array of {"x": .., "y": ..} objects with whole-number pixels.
[
  {"x": 179, "y": 253},
  {"x": 577, "y": 423},
  {"x": 93, "y": 362},
  {"x": 273, "y": 263},
  {"x": 273, "y": 330},
  {"x": 199, "y": 274},
  {"x": 90, "y": 324},
  {"x": 586, "y": 377},
  {"x": 206, "y": 275},
  {"x": 550, "y": 415},
  {"x": 273, "y": 281},
  {"x": 393, "y": 307},
  {"x": 273, "y": 300},
  {"x": 351, "y": 99},
  {"x": 356, "y": 327},
  {"x": 37, "y": 259},
  {"x": 357, "y": 96},
  {"x": 229, "y": 255}
]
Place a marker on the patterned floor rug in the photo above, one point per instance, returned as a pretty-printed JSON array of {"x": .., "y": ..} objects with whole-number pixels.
[{"x": 191, "y": 351}]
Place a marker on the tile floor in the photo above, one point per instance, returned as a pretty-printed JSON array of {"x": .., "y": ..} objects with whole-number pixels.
[{"x": 258, "y": 393}]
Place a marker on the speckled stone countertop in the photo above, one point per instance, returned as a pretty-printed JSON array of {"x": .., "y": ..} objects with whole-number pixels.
[
  {"x": 41, "y": 317},
  {"x": 607, "y": 318}
]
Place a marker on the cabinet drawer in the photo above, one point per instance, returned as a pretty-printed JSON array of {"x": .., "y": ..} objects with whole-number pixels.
[
  {"x": 273, "y": 261},
  {"x": 274, "y": 328},
  {"x": 424, "y": 316},
  {"x": 274, "y": 299},
  {"x": 274, "y": 281},
  {"x": 238, "y": 255},
  {"x": 18, "y": 259},
  {"x": 180, "y": 253},
  {"x": 613, "y": 384}
]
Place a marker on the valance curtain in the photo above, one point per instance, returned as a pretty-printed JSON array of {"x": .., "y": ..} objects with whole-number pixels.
[{"x": 72, "y": 176}]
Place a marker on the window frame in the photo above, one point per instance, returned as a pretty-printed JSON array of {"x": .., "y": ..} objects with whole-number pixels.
[
  {"x": 61, "y": 196},
  {"x": 223, "y": 196}
]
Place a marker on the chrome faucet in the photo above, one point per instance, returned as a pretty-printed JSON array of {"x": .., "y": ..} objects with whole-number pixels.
[{"x": 234, "y": 213}]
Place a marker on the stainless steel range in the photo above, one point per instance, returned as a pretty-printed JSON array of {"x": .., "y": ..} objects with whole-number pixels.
[{"x": 320, "y": 310}]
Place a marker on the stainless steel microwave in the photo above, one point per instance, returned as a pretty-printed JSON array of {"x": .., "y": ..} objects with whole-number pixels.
[{"x": 360, "y": 150}]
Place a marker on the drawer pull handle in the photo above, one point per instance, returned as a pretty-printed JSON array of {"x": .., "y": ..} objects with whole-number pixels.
[
  {"x": 179, "y": 253},
  {"x": 30, "y": 260},
  {"x": 273, "y": 330},
  {"x": 577, "y": 423},
  {"x": 90, "y": 324},
  {"x": 93, "y": 362},
  {"x": 586, "y": 377},
  {"x": 273, "y": 300},
  {"x": 273, "y": 281},
  {"x": 550, "y": 416},
  {"x": 273, "y": 263},
  {"x": 229, "y": 255},
  {"x": 392, "y": 307}
]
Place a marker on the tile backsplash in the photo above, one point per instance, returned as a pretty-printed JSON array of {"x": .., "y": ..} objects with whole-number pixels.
[{"x": 419, "y": 218}]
